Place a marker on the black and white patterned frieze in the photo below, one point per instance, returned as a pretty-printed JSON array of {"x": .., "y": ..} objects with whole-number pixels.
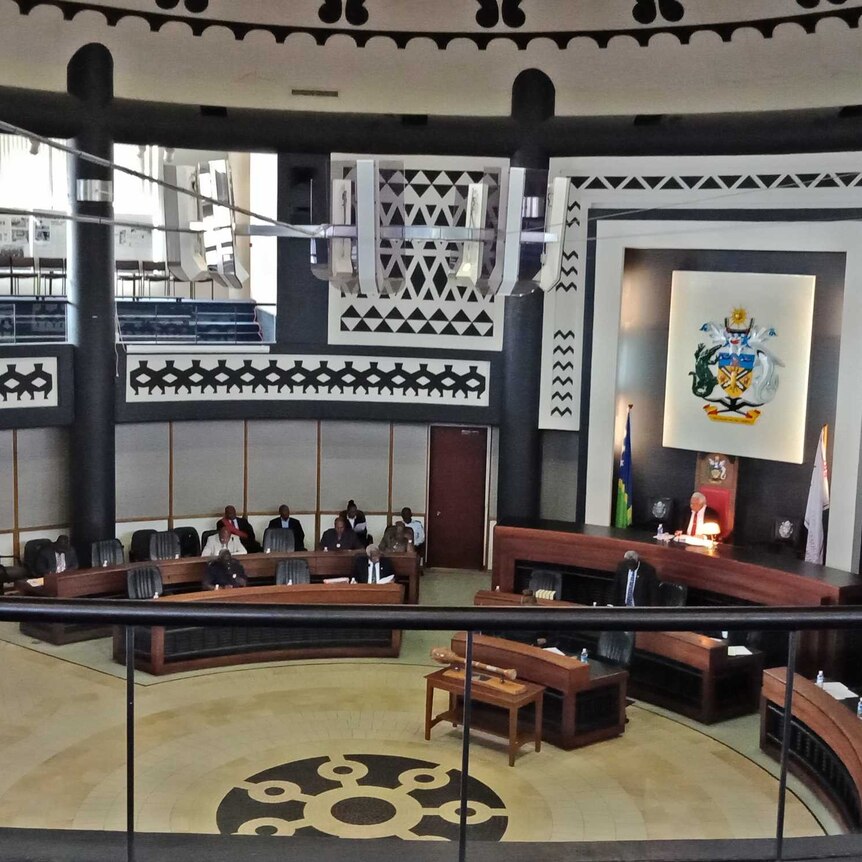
[
  {"x": 28, "y": 382},
  {"x": 233, "y": 377}
]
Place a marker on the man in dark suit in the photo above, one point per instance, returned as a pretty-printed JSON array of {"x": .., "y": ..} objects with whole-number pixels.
[
  {"x": 59, "y": 556},
  {"x": 697, "y": 515},
  {"x": 239, "y": 527},
  {"x": 285, "y": 522},
  {"x": 340, "y": 538},
  {"x": 373, "y": 568},
  {"x": 635, "y": 583}
]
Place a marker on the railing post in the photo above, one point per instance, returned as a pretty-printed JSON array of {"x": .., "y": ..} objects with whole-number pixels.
[
  {"x": 785, "y": 743},
  {"x": 465, "y": 748},
  {"x": 130, "y": 743}
]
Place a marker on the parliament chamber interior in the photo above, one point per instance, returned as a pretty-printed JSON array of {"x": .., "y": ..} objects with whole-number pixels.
[{"x": 430, "y": 423}]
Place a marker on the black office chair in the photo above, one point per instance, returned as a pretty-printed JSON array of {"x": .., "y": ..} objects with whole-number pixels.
[
  {"x": 295, "y": 571},
  {"x": 165, "y": 546},
  {"x": 139, "y": 547},
  {"x": 544, "y": 579},
  {"x": 278, "y": 541},
  {"x": 671, "y": 595},
  {"x": 144, "y": 582},
  {"x": 616, "y": 647},
  {"x": 31, "y": 551},
  {"x": 190, "y": 543},
  {"x": 108, "y": 552}
]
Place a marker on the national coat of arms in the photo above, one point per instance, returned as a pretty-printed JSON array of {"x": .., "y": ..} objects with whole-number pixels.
[{"x": 736, "y": 373}]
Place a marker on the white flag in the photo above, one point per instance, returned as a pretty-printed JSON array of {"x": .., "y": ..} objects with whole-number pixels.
[{"x": 818, "y": 502}]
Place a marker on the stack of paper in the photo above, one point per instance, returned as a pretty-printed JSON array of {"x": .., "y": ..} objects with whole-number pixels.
[{"x": 838, "y": 690}]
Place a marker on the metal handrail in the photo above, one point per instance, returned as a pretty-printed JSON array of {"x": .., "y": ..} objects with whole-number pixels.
[{"x": 412, "y": 617}]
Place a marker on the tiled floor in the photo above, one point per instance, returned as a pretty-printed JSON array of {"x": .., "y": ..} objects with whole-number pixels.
[{"x": 200, "y": 736}]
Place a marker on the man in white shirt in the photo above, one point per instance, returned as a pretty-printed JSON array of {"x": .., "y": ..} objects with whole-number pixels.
[
  {"x": 224, "y": 540},
  {"x": 409, "y": 521},
  {"x": 373, "y": 568}
]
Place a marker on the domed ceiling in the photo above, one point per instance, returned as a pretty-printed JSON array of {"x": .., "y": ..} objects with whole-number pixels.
[{"x": 451, "y": 56}]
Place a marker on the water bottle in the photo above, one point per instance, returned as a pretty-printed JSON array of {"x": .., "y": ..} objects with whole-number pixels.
[
  {"x": 585, "y": 656},
  {"x": 820, "y": 679},
  {"x": 660, "y": 532},
  {"x": 859, "y": 708}
]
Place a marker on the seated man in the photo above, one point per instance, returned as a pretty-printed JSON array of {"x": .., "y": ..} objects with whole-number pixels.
[
  {"x": 356, "y": 521},
  {"x": 223, "y": 573},
  {"x": 239, "y": 527},
  {"x": 373, "y": 568},
  {"x": 224, "y": 540},
  {"x": 285, "y": 522},
  {"x": 698, "y": 515},
  {"x": 409, "y": 521},
  {"x": 57, "y": 557},
  {"x": 340, "y": 538},
  {"x": 635, "y": 583},
  {"x": 397, "y": 538}
]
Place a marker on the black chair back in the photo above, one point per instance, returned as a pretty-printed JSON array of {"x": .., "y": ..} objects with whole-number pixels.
[
  {"x": 144, "y": 582},
  {"x": 278, "y": 541},
  {"x": 543, "y": 579},
  {"x": 139, "y": 547},
  {"x": 165, "y": 546},
  {"x": 31, "y": 551},
  {"x": 190, "y": 543},
  {"x": 616, "y": 647},
  {"x": 671, "y": 595},
  {"x": 108, "y": 552},
  {"x": 295, "y": 571}
]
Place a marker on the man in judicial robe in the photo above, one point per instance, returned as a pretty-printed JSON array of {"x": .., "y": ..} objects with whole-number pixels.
[
  {"x": 59, "y": 556},
  {"x": 285, "y": 522},
  {"x": 239, "y": 527},
  {"x": 698, "y": 515},
  {"x": 635, "y": 583},
  {"x": 223, "y": 573},
  {"x": 340, "y": 538},
  {"x": 373, "y": 568}
]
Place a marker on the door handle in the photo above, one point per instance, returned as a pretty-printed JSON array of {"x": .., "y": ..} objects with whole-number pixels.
[{"x": 438, "y": 515}]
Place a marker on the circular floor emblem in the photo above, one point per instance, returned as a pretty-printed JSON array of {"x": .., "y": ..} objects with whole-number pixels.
[{"x": 361, "y": 796}]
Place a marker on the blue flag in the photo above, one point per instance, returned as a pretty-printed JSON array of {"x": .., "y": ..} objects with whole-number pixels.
[{"x": 623, "y": 509}]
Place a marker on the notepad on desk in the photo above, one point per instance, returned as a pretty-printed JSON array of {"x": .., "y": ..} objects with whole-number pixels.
[
  {"x": 554, "y": 650},
  {"x": 838, "y": 690},
  {"x": 36, "y": 582},
  {"x": 738, "y": 650}
]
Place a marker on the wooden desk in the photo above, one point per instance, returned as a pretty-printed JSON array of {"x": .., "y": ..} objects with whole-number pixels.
[
  {"x": 689, "y": 673},
  {"x": 185, "y": 575},
  {"x": 588, "y": 555},
  {"x": 582, "y": 703},
  {"x": 511, "y": 702},
  {"x": 170, "y": 649},
  {"x": 825, "y": 741}
]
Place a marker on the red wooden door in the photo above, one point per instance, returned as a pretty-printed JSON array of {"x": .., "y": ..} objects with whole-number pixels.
[{"x": 456, "y": 497}]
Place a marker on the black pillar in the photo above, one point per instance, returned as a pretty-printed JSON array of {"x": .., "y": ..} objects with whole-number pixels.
[
  {"x": 90, "y": 79},
  {"x": 520, "y": 458},
  {"x": 303, "y": 299}
]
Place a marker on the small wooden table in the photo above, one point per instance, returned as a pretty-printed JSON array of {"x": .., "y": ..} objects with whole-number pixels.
[{"x": 512, "y": 702}]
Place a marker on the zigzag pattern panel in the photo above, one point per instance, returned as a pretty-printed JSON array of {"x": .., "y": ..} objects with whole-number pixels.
[
  {"x": 236, "y": 377},
  {"x": 560, "y": 397},
  {"x": 28, "y": 382},
  {"x": 431, "y": 310}
]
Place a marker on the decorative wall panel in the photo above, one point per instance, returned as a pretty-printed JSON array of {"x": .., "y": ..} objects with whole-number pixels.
[
  {"x": 28, "y": 382},
  {"x": 237, "y": 377},
  {"x": 637, "y": 186},
  {"x": 430, "y": 311}
]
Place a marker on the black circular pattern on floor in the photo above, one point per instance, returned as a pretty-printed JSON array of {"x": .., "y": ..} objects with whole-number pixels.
[{"x": 361, "y": 796}]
